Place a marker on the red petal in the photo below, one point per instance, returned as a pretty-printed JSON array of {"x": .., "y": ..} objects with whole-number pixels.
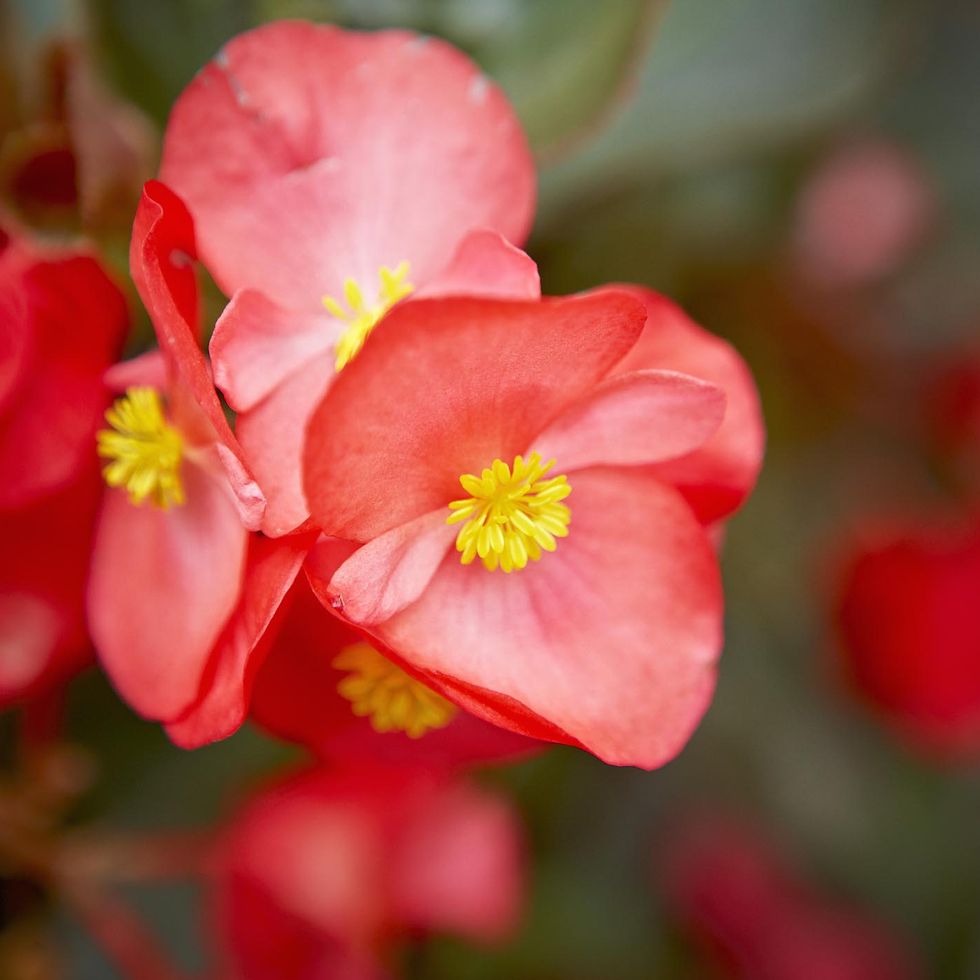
[
  {"x": 308, "y": 155},
  {"x": 163, "y": 585},
  {"x": 442, "y": 388}
]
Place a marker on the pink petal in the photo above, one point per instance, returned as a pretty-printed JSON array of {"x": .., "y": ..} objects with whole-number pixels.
[
  {"x": 422, "y": 403},
  {"x": 163, "y": 585},
  {"x": 270, "y": 570},
  {"x": 486, "y": 264},
  {"x": 641, "y": 417},
  {"x": 257, "y": 344},
  {"x": 308, "y": 155},
  {"x": 161, "y": 261},
  {"x": 392, "y": 570},
  {"x": 272, "y": 436},
  {"x": 612, "y": 639},
  {"x": 716, "y": 478}
]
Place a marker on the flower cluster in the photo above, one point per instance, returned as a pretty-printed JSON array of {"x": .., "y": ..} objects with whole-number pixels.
[{"x": 506, "y": 504}]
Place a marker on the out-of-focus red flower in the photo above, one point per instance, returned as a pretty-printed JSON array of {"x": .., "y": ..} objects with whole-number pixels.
[
  {"x": 62, "y": 322},
  {"x": 609, "y": 642},
  {"x": 180, "y": 596},
  {"x": 861, "y": 214},
  {"x": 325, "y": 686},
  {"x": 755, "y": 918},
  {"x": 319, "y": 876},
  {"x": 909, "y": 625},
  {"x": 331, "y": 174}
]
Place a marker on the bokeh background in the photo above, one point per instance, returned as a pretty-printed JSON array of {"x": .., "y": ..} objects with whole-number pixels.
[{"x": 802, "y": 176}]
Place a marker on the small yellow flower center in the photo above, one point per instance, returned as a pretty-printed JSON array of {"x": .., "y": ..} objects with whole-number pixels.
[
  {"x": 144, "y": 449},
  {"x": 393, "y": 701},
  {"x": 512, "y": 513},
  {"x": 361, "y": 317}
]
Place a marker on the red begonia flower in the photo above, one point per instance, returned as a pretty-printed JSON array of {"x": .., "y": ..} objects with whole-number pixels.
[
  {"x": 756, "y": 919},
  {"x": 321, "y": 874},
  {"x": 909, "y": 626},
  {"x": 180, "y": 596},
  {"x": 316, "y": 656},
  {"x": 330, "y": 174},
  {"x": 62, "y": 322},
  {"x": 611, "y": 641}
]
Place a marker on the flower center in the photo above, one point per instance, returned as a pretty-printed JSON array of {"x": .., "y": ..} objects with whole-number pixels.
[
  {"x": 362, "y": 318},
  {"x": 393, "y": 701},
  {"x": 512, "y": 513},
  {"x": 144, "y": 449}
]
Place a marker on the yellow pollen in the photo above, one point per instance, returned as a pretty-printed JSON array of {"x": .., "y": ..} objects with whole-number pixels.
[
  {"x": 393, "y": 701},
  {"x": 144, "y": 449},
  {"x": 362, "y": 318},
  {"x": 512, "y": 513}
]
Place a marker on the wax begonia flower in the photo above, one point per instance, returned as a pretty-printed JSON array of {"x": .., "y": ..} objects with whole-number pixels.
[
  {"x": 755, "y": 918},
  {"x": 909, "y": 627},
  {"x": 331, "y": 174},
  {"x": 324, "y": 873},
  {"x": 599, "y": 626},
  {"x": 62, "y": 322},
  {"x": 181, "y": 595},
  {"x": 324, "y": 685}
]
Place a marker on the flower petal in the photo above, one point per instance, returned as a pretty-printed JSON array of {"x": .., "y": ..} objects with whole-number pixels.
[
  {"x": 486, "y": 264},
  {"x": 640, "y": 417},
  {"x": 163, "y": 585},
  {"x": 272, "y": 436},
  {"x": 257, "y": 344},
  {"x": 442, "y": 388},
  {"x": 161, "y": 261},
  {"x": 612, "y": 639},
  {"x": 308, "y": 154},
  {"x": 270, "y": 570},
  {"x": 716, "y": 478}
]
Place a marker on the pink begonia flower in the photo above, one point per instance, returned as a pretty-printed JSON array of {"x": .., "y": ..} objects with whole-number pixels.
[
  {"x": 180, "y": 595},
  {"x": 322, "y": 874},
  {"x": 327, "y": 687},
  {"x": 62, "y": 323},
  {"x": 756, "y": 918},
  {"x": 331, "y": 174},
  {"x": 446, "y": 426}
]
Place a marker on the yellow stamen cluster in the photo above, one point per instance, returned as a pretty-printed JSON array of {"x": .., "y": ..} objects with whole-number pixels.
[
  {"x": 362, "y": 318},
  {"x": 144, "y": 449},
  {"x": 512, "y": 513},
  {"x": 393, "y": 701}
]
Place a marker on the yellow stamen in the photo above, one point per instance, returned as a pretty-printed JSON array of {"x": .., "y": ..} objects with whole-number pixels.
[
  {"x": 144, "y": 449},
  {"x": 393, "y": 701},
  {"x": 512, "y": 514},
  {"x": 362, "y": 318}
]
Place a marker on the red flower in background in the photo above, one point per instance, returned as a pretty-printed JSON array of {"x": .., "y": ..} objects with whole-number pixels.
[
  {"x": 909, "y": 625},
  {"x": 755, "y": 918},
  {"x": 181, "y": 596},
  {"x": 330, "y": 174},
  {"x": 62, "y": 322},
  {"x": 609, "y": 642},
  {"x": 322, "y": 874}
]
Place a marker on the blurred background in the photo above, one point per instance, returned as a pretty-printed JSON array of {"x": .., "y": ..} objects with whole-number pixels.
[{"x": 802, "y": 176}]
